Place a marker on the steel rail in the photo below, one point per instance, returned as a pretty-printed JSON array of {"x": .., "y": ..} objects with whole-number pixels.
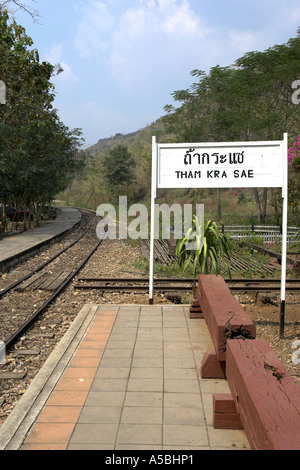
[
  {"x": 183, "y": 280},
  {"x": 183, "y": 288},
  {"x": 158, "y": 287},
  {"x": 15, "y": 284}
]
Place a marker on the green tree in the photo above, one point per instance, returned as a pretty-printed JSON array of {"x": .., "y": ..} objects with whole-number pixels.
[
  {"x": 118, "y": 170},
  {"x": 38, "y": 153},
  {"x": 251, "y": 100}
]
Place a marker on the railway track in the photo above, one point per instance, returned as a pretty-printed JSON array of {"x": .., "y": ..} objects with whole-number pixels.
[
  {"x": 180, "y": 284},
  {"x": 15, "y": 284},
  {"x": 42, "y": 285}
]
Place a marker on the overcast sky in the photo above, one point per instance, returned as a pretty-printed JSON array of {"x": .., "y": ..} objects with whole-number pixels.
[{"x": 122, "y": 59}]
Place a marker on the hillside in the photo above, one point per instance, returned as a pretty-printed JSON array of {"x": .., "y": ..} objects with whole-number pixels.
[{"x": 89, "y": 190}]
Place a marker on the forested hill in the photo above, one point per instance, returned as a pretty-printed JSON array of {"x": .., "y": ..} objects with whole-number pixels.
[
  {"x": 92, "y": 188},
  {"x": 109, "y": 142},
  {"x": 143, "y": 136}
]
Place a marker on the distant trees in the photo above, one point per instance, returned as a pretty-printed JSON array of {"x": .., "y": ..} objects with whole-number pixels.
[
  {"x": 251, "y": 100},
  {"x": 294, "y": 172},
  {"x": 39, "y": 155},
  {"x": 118, "y": 170}
]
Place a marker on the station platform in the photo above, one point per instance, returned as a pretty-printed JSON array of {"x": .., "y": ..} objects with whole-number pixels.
[
  {"x": 123, "y": 378},
  {"x": 17, "y": 248}
]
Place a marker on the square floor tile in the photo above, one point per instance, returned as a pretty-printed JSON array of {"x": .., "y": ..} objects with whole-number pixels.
[
  {"x": 144, "y": 399},
  {"x": 185, "y": 435},
  {"x": 60, "y": 414},
  {"x": 100, "y": 414},
  {"x": 109, "y": 385},
  {"x": 145, "y": 385},
  {"x": 182, "y": 400},
  {"x": 147, "y": 434},
  {"x": 184, "y": 416},
  {"x": 105, "y": 399},
  {"x": 146, "y": 372},
  {"x": 116, "y": 362},
  {"x": 141, "y": 415},
  {"x": 112, "y": 373},
  {"x": 183, "y": 385},
  {"x": 94, "y": 433}
]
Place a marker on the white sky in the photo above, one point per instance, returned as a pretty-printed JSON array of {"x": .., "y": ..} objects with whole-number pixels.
[{"x": 122, "y": 59}]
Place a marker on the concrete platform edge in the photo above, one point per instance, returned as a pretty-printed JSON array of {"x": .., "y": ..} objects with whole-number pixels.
[{"x": 14, "y": 430}]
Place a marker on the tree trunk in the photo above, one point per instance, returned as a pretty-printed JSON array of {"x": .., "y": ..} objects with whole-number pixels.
[{"x": 261, "y": 205}]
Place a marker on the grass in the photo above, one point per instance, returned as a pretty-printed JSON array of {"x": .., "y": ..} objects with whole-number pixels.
[{"x": 173, "y": 269}]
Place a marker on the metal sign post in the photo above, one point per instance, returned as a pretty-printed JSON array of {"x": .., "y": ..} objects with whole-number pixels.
[
  {"x": 284, "y": 233},
  {"x": 153, "y": 197},
  {"x": 221, "y": 165}
]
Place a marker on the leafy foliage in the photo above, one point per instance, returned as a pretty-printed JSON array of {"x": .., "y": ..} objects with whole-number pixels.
[
  {"x": 294, "y": 172},
  {"x": 118, "y": 165},
  {"x": 250, "y": 100},
  {"x": 205, "y": 257},
  {"x": 39, "y": 155}
]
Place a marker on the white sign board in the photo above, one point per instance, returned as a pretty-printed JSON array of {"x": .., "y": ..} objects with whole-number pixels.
[{"x": 222, "y": 165}]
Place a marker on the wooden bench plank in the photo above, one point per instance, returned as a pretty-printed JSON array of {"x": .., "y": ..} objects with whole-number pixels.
[
  {"x": 265, "y": 395},
  {"x": 225, "y": 317}
]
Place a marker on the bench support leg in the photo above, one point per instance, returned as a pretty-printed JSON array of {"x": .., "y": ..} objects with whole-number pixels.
[
  {"x": 211, "y": 367},
  {"x": 225, "y": 415},
  {"x": 196, "y": 310}
]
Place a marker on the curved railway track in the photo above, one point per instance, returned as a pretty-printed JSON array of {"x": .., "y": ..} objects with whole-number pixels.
[
  {"x": 54, "y": 275},
  {"x": 15, "y": 284}
]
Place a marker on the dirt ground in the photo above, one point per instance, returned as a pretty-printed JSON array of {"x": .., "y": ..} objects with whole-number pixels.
[{"x": 264, "y": 310}]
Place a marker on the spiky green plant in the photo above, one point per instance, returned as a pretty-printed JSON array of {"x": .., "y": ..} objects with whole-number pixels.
[{"x": 204, "y": 248}]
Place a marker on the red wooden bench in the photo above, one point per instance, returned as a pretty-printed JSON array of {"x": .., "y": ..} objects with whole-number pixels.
[
  {"x": 265, "y": 396},
  {"x": 225, "y": 319}
]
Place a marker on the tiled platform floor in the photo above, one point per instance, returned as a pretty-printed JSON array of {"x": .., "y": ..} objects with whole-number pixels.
[{"x": 133, "y": 383}]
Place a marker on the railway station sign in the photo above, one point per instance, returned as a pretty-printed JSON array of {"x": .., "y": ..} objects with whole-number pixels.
[
  {"x": 261, "y": 164},
  {"x": 227, "y": 165}
]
